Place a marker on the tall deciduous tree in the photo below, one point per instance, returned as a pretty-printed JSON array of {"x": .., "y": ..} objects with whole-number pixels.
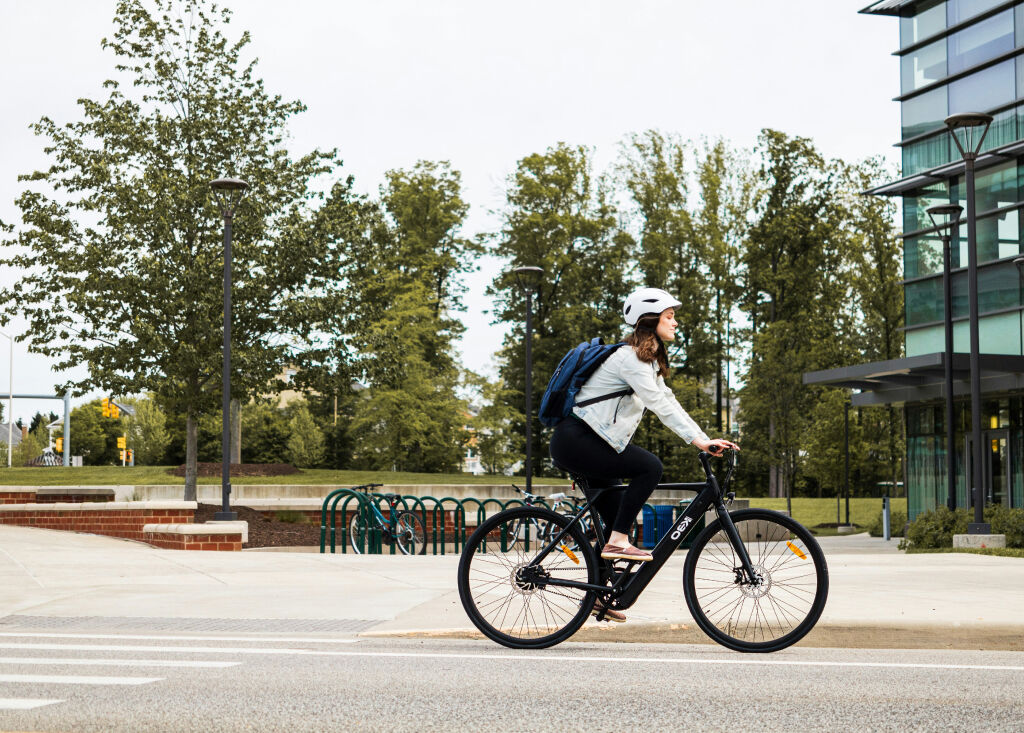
[
  {"x": 559, "y": 218},
  {"x": 120, "y": 254},
  {"x": 795, "y": 256}
]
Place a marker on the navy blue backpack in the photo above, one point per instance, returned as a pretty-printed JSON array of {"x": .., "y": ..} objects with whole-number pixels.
[{"x": 573, "y": 371}]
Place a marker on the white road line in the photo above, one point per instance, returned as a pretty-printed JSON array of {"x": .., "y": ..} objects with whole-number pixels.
[
  {"x": 157, "y": 649},
  {"x": 79, "y": 661},
  {"x": 58, "y": 679},
  {"x": 21, "y": 703},
  {"x": 525, "y": 657},
  {"x": 139, "y": 637},
  {"x": 755, "y": 661}
]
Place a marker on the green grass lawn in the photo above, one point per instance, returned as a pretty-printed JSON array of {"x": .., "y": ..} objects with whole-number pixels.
[
  {"x": 149, "y": 475},
  {"x": 998, "y": 551},
  {"x": 812, "y": 512}
]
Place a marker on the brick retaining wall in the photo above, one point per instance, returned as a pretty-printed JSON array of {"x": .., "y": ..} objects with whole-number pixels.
[{"x": 112, "y": 519}]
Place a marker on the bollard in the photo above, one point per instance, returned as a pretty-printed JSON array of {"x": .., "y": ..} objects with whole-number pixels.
[{"x": 885, "y": 519}]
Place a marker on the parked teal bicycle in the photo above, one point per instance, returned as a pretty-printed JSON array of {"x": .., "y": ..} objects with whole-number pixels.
[{"x": 405, "y": 529}]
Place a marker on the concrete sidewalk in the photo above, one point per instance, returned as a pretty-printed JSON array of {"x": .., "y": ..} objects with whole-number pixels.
[{"x": 878, "y": 596}]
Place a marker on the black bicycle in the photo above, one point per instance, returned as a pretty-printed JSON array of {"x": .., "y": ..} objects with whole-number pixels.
[
  {"x": 754, "y": 580},
  {"x": 561, "y": 503}
]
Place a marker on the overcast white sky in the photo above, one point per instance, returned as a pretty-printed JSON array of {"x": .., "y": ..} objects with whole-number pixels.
[{"x": 481, "y": 84}]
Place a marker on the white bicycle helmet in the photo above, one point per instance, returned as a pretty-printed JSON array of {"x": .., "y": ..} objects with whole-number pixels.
[{"x": 646, "y": 300}]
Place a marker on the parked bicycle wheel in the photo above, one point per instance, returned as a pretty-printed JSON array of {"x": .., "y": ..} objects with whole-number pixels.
[
  {"x": 507, "y": 596},
  {"x": 359, "y": 533},
  {"x": 777, "y": 610},
  {"x": 537, "y": 530},
  {"x": 411, "y": 534}
]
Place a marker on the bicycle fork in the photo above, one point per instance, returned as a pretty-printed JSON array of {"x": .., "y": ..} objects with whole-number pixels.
[{"x": 746, "y": 566}]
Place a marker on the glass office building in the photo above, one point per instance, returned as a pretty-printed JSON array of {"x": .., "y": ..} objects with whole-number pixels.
[{"x": 956, "y": 56}]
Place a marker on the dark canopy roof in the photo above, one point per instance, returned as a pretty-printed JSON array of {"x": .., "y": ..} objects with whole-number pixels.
[
  {"x": 887, "y": 7},
  {"x": 920, "y": 378}
]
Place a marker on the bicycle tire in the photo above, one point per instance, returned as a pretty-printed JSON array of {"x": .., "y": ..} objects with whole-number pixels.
[
  {"x": 411, "y": 533},
  {"x": 510, "y": 611},
  {"x": 772, "y": 615},
  {"x": 358, "y": 533}
]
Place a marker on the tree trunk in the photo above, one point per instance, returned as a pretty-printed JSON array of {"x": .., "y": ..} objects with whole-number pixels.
[
  {"x": 773, "y": 468},
  {"x": 191, "y": 430},
  {"x": 236, "y": 431}
]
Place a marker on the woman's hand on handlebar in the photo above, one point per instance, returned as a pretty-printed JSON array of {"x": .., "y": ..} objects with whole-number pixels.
[{"x": 716, "y": 447}]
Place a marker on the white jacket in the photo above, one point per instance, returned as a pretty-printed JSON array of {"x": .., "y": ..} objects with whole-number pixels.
[{"x": 617, "y": 419}]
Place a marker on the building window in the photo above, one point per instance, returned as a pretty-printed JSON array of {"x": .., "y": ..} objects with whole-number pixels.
[
  {"x": 915, "y": 208},
  {"x": 958, "y": 11},
  {"x": 994, "y": 187},
  {"x": 984, "y": 89},
  {"x": 929, "y": 19},
  {"x": 980, "y": 42},
  {"x": 924, "y": 112},
  {"x": 924, "y": 154},
  {"x": 924, "y": 66},
  {"x": 922, "y": 255}
]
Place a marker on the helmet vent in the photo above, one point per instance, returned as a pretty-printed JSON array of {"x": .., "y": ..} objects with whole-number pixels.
[
  {"x": 629, "y": 308},
  {"x": 650, "y": 300}
]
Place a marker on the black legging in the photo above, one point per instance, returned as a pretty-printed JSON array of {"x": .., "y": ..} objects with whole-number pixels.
[{"x": 578, "y": 449}]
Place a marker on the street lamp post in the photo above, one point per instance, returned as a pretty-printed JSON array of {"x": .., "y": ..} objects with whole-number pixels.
[
  {"x": 968, "y": 132},
  {"x": 10, "y": 402},
  {"x": 228, "y": 192},
  {"x": 528, "y": 278},
  {"x": 945, "y": 217}
]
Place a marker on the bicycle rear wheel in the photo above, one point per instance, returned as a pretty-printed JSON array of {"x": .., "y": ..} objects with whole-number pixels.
[
  {"x": 411, "y": 534},
  {"x": 771, "y": 614},
  {"x": 507, "y": 596}
]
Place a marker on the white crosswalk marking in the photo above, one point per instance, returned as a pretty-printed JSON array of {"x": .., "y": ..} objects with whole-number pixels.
[
  {"x": 164, "y": 637},
  {"x": 20, "y": 703},
  {"x": 78, "y": 661},
  {"x": 56, "y": 679},
  {"x": 156, "y": 649}
]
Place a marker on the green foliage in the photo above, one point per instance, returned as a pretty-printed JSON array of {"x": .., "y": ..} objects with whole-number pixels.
[
  {"x": 495, "y": 437},
  {"x": 93, "y": 436},
  {"x": 936, "y": 528},
  {"x": 265, "y": 432},
  {"x": 897, "y": 521},
  {"x": 146, "y": 430},
  {"x": 1007, "y": 521},
  {"x": 559, "y": 218},
  {"x": 120, "y": 253},
  {"x": 305, "y": 447}
]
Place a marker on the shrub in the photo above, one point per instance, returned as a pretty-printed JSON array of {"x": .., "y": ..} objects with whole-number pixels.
[
  {"x": 936, "y": 528},
  {"x": 1009, "y": 522},
  {"x": 897, "y": 520}
]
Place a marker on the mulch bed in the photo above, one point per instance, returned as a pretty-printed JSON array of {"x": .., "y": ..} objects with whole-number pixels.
[
  {"x": 240, "y": 469},
  {"x": 267, "y": 531}
]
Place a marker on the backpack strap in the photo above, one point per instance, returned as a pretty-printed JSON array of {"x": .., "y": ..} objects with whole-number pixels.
[{"x": 602, "y": 398}]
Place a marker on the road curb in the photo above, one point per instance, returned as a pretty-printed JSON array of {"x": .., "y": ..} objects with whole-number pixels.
[{"x": 825, "y": 634}]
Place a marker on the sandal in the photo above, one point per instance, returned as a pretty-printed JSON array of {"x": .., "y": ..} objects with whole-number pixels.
[
  {"x": 610, "y": 614},
  {"x": 635, "y": 554}
]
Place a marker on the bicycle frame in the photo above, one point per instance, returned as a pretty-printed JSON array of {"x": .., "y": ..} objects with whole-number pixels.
[{"x": 629, "y": 583}]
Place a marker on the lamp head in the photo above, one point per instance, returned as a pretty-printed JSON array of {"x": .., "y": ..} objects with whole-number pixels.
[
  {"x": 528, "y": 278},
  {"x": 228, "y": 192},
  {"x": 968, "y": 131},
  {"x": 944, "y": 217},
  {"x": 1019, "y": 262}
]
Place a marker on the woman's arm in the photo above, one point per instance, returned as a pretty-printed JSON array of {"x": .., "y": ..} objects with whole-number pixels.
[{"x": 659, "y": 399}]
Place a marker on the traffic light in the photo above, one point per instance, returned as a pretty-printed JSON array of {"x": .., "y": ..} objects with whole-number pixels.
[
  {"x": 121, "y": 442},
  {"x": 105, "y": 411},
  {"x": 115, "y": 411},
  {"x": 123, "y": 455},
  {"x": 59, "y": 446},
  {"x": 131, "y": 456}
]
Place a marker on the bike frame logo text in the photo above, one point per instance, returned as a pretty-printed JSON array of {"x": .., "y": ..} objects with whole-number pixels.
[{"x": 681, "y": 527}]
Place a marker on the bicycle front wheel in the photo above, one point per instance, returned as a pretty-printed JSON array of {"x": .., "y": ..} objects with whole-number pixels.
[
  {"x": 783, "y": 603},
  {"x": 359, "y": 533},
  {"x": 411, "y": 534},
  {"x": 507, "y": 595}
]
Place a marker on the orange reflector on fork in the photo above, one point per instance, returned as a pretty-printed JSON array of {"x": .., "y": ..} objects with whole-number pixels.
[{"x": 796, "y": 550}]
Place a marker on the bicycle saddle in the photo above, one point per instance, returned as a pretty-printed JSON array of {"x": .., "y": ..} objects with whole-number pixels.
[{"x": 393, "y": 498}]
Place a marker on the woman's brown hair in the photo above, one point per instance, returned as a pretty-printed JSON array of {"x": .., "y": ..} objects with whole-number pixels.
[{"x": 647, "y": 344}]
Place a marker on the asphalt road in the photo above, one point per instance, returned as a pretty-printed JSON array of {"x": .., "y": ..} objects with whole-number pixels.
[{"x": 234, "y": 682}]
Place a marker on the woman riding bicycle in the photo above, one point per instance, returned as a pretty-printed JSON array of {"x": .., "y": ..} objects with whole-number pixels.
[{"x": 594, "y": 440}]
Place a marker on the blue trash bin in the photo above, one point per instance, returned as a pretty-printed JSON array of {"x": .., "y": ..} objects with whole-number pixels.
[{"x": 657, "y": 522}]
